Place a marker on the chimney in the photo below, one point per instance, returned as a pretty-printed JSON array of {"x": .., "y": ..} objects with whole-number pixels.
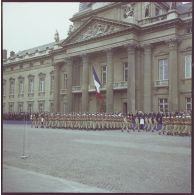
[
  {"x": 12, "y": 54},
  {"x": 4, "y": 54}
]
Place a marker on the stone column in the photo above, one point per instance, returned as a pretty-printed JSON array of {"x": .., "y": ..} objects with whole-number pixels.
[
  {"x": 138, "y": 78},
  {"x": 56, "y": 87},
  {"x": 109, "y": 84},
  {"x": 131, "y": 79},
  {"x": 69, "y": 84},
  {"x": 85, "y": 83},
  {"x": 147, "y": 78},
  {"x": 173, "y": 76}
]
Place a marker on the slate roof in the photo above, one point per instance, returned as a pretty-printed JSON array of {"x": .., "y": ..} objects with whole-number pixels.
[
  {"x": 182, "y": 8},
  {"x": 34, "y": 49}
]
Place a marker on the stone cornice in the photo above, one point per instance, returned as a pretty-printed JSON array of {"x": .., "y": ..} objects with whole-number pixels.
[
  {"x": 26, "y": 60},
  {"x": 163, "y": 23},
  {"x": 134, "y": 28}
]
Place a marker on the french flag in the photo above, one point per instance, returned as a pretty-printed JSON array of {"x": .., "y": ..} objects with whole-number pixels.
[{"x": 96, "y": 81}]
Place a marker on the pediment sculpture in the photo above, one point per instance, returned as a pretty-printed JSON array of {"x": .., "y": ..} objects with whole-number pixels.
[
  {"x": 128, "y": 10},
  {"x": 98, "y": 29}
]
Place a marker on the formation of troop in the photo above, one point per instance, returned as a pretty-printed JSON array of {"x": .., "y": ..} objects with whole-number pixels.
[{"x": 178, "y": 123}]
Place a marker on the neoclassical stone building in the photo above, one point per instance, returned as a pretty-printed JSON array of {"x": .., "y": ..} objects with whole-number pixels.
[{"x": 141, "y": 51}]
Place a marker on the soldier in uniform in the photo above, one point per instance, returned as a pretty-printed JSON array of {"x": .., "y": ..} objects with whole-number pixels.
[
  {"x": 36, "y": 120},
  {"x": 125, "y": 124}
]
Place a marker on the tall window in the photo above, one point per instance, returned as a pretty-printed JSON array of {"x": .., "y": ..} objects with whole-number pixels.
[
  {"x": 42, "y": 82},
  {"x": 52, "y": 81},
  {"x": 20, "y": 106},
  {"x": 30, "y": 107},
  {"x": 147, "y": 10},
  {"x": 4, "y": 107},
  {"x": 11, "y": 107},
  {"x": 51, "y": 107},
  {"x": 31, "y": 85},
  {"x": 65, "y": 107},
  {"x": 188, "y": 66},
  {"x": 42, "y": 85},
  {"x": 163, "y": 104},
  {"x": 41, "y": 106},
  {"x": 157, "y": 11},
  {"x": 188, "y": 104},
  {"x": 12, "y": 84},
  {"x": 4, "y": 87},
  {"x": 163, "y": 69},
  {"x": 21, "y": 86},
  {"x": 65, "y": 80},
  {"x": 125, "y": 71},
  {"x": 104, "y": 74},
  {"x": 189, "y": 28}
]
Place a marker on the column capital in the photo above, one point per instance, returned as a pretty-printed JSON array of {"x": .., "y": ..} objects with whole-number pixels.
[
  {"x": 131, "y": 45},
  {"x": 172, "y": 43},
  {"x": 147, "y": 48},
  {"x": 84, "y": 55},
  {"x": 57, "y": 65},
  {"x": 68, "y": 60},
  {"x": 131, "y": 48},
  {"x": 84, "y": 58},
  {"x": 109, "y": 50}
]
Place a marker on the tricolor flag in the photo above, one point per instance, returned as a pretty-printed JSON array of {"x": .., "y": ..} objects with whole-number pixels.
[{"x": 96, "y": 81}]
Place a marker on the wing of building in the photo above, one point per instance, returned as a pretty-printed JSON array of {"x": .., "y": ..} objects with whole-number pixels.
[{"x": 142, "y": 53}]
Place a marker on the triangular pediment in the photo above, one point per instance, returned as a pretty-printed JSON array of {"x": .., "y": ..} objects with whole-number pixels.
[{"x": 94, "y": 28}]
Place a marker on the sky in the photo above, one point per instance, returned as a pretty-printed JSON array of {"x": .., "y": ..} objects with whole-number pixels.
[{"x": 27, "y": 25}]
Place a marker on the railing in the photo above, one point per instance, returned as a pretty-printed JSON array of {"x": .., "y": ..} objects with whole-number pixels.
[
  {"x": 186, "y": 14},
  {"x": 11, "y": 95},
  {"x": 21, "y": 95},
  {"x": 30, "y": 94},
  {"x": 92, "y": 87},
  {"x": 63, "y": 91},
  {"x": 41, "y": 93},
  {"x": 161, "y": 83},
  {"x": 120, "y": 85},
  {"x": 76, "y": 88},
  {"x": 152, "y": 19}
]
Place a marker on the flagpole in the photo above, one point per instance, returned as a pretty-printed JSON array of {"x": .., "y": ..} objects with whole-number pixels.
[{"x": 24, "y": 140}]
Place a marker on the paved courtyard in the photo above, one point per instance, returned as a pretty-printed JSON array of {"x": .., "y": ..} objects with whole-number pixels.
[{"x": 96, "y": 161}]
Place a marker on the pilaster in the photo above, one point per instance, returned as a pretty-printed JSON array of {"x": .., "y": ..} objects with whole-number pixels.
[
  {"x": 131, "y": 78},
  {"x": 147, "y": 78},
  {"x": 138, "y": 79},
  {"x": 69, "y": 84},
  {"x": 85, "y": 83},
  {"x": 56, "y": 87},
  {"x": 109, "y": 84},
  {"x": 173, "y": 75}
]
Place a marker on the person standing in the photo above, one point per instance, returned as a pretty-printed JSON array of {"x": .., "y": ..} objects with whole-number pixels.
[
  {"x": 141, "y": 123},
  {"x": 125, "y": 124}
]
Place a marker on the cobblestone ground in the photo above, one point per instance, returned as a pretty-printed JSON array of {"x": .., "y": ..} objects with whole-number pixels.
[{"x": 111, "y": 160}]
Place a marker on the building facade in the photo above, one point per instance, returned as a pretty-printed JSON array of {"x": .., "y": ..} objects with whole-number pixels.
[{"x": 141, "y": 51}]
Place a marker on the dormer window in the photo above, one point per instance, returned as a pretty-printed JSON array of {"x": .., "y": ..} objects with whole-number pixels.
[
  {"x": 189, "y": 28},
  {"x": 147, "y": 10},
  {"x": 157, "y": 11}
]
